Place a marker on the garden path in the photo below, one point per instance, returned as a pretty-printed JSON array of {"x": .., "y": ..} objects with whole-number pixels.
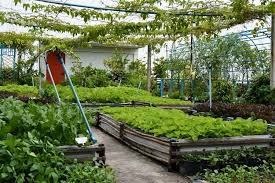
[{"x": 133, "y": 167}]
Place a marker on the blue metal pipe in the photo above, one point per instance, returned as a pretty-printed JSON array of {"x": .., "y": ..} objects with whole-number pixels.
[
  {"x": 14, "y": 63},
  {"x": 210, "y": 86},
  {"x": 170, "y": 86},
  {"x": 182, "y": 88},
  {"x": 61, "y": 60},
  {"x": 52, "y": 80},
  {"x": 161, "y": 87}
]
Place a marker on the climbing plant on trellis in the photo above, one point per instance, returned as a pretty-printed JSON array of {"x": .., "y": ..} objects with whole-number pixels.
[{"x": 154, "y": 24}]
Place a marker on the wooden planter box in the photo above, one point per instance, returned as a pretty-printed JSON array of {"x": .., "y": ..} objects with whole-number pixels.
[
  {"x": 170, "y": 151},
  {"x": 86, "y": 153},
  {"x": 139, "y": 104}
]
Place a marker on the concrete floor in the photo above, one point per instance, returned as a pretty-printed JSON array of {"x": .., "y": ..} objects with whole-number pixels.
[{"x": 133, "y": 167}]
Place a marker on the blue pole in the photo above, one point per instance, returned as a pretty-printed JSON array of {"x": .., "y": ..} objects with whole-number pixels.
[
  {"x": 170, "y": 86},
  {"x": 14, "y": 58},
  {"x": 181, "y": 87},
  {"x": 52, "y": 80},
  {"x": 61, "y": 60},
  {"x": 210, "y": 86},
  {"x": 161, "y": 87},
  {"x": 14, "y": 63}
]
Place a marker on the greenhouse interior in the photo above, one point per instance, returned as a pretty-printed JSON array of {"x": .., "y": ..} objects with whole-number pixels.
[{"x": 137, "y": 91}]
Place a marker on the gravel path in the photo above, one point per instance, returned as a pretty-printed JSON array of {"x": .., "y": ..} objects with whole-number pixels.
[{"x": 133, "y": 167}]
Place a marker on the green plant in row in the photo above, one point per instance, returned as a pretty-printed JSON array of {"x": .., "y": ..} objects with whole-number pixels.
[
  {"x": 176, "y": 124},
  {"x": 29, "y": 134},
  {"x": 242, "y": 174},
  {"x": 59, "y": 123},
  {"x": 221, "y": 158},
  {"x": 30, "y": 159},
  {"x": 100, "y": 94},
  {"x": 115, "y": 95},
  {"x": 20, "y": 89}
]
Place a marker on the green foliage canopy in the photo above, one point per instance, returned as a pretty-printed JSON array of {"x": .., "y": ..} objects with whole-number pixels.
[{"x": 156, "y": 23}]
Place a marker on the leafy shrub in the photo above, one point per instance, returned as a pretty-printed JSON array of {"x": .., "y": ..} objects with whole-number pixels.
[
  {"x": 272, "y": 97},
  {"x": 90, "y": 77},
  {"x": 117, "y": 65},
  {"x": 222, "y": 91},
  {"x": 155, "y": 89},
  {"x": 160, "y": 68},
  {"x": 174, "y": 95},
  {"x": 259, "y": 90},
  {"x": 136, "y": 74},
  {"x": 176, "y": 124},
  {"x": 240, "y": 89},
  {"x": 7, "y": 75}
]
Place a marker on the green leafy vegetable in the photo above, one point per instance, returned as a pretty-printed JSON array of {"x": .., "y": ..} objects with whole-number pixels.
[
  {"x": 242, "y": 174},
  {"x": 29, "y": 134},
  {"x": 176, "y": 124},
  {"x": 61, "y": 124},
  {"x": 100, "y": 94},
  {"x": 33, "y": 160}
]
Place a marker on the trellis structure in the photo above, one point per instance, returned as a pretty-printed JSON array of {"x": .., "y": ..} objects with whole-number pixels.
[
  {"x": 259, "y": 40},
  {"x": 7, "y": 62},
  {"x": 153, "y": 25}
]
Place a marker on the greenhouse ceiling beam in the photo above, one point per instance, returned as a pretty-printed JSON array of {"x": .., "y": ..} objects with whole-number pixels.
[
  {"x": 252, "y": 42},
  {"x": 260, "y": 30},
  {"x": 188, "y": 13},
  {"x": 259, "y": 37}
]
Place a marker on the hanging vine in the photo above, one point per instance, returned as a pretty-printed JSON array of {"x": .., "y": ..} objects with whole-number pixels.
[{"x": 159, "y": 20}]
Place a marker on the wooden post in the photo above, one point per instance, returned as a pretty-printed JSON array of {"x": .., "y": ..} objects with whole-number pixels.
[
  {"x": 121, "y": 130},
  {"x": 272, "y": 71},
  {"x": 101, "y": 154},
  {"x": 172, "y": 164},
  {"x": 149, "y": 69},
  {"x": 97, "y": 119}
]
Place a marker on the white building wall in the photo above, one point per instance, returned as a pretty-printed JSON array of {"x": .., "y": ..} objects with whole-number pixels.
[{"x": 94, "y": 57}]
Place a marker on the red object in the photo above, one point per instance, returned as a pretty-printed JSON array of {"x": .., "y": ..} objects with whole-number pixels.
[{"x": 56, "y": 68}]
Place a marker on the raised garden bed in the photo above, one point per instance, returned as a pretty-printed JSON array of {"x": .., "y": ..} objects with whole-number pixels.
[
  {"x": 185, "y": 108},
  {"x": 170, "y": 151},
  {"x": 85, "y": 153}
]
